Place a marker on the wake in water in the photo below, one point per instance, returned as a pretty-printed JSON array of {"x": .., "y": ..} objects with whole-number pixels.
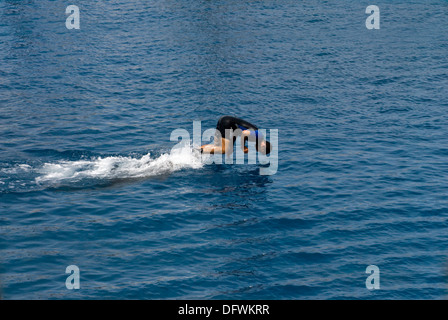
[
  {"x": 119, "y": 167},
  {"x": 105, "y": 169}
]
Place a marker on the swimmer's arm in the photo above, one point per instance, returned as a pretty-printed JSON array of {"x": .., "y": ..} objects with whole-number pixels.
[
  {"x": 225, "y": 147},
  {"x": 244, "y": 134},
  {"x": 211, "y": 149}
]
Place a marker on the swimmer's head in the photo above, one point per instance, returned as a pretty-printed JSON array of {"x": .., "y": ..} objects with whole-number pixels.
[{"x": 265, "y": 147}]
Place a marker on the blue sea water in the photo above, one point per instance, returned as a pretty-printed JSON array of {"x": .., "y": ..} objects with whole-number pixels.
[{"x": 88, "y": 178}]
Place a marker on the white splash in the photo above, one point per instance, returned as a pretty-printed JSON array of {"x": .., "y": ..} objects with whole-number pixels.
[
  {"x": 18, "y": 168},
  {"x": 119, "y": 167}
]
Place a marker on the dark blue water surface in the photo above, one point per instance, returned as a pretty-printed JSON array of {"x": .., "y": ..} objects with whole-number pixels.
[{"x": 88, "y": 178}]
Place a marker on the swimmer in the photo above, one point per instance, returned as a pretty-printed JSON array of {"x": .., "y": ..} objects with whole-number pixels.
[{"x": 247, "y": 131}]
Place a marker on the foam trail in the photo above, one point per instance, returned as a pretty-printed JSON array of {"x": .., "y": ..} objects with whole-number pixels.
[{"x": 119, "y": 167}]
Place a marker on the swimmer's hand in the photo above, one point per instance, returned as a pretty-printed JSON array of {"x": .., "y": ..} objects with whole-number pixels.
[
  {"x": 209, "y": 148},
  {"x": 245, "y": 133}
]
